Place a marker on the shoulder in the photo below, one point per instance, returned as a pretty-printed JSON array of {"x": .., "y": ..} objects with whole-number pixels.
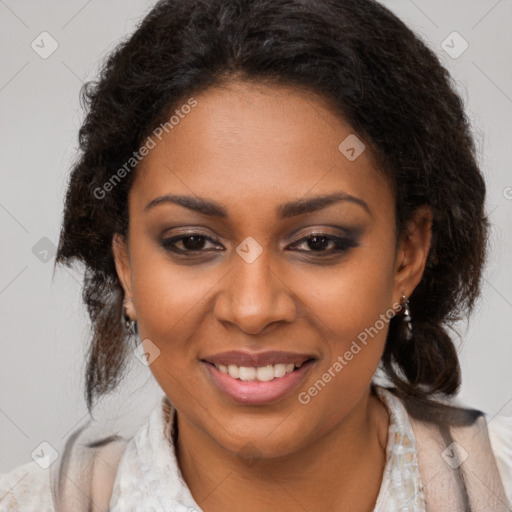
[
  {"x": 500, "y": 435},
  {"x": 488, "y": 439},
  {"x": 26, "y": 487}
]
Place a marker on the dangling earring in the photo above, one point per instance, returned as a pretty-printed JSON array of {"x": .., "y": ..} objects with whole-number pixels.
[
  {"x": 407, "y": 318},
  {"x": 129, "y": 324}
]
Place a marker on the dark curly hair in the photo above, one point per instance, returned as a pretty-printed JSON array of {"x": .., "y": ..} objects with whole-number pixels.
[{"x": 374, "y": 72}]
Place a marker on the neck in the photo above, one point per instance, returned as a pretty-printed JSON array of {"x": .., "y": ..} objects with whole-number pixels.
[{"x": 324, "y": 475}]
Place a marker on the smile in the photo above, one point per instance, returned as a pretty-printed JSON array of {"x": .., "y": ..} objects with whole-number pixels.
[
  {"x": 257, "y": 378},
  {"x": 259, "y": 373}
]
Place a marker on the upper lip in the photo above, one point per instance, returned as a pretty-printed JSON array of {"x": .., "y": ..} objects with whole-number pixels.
[{"x": 250, "y": 359}]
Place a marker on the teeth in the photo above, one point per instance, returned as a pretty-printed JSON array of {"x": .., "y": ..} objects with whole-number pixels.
[
  {"x": 233, "y": 370},
  {"x": 265, "y": 373},
  {"x": 260, "y": 373},
  {"x": 245, "y": 373},
  {"x": 280, "y": 370}
]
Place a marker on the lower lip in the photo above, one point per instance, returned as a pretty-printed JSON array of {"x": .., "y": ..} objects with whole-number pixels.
[{"x": 256, "y": 392}]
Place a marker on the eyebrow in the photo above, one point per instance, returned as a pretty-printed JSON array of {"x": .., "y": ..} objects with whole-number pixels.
[{"x": 283, "y": 211}]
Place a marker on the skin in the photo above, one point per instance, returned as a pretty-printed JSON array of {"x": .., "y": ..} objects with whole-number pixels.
[{"x": 250, "y": 148}]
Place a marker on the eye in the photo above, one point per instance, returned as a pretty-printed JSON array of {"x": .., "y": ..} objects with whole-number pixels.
[
  {"x": 191, "y": 242},
  {"x": 321, "y": 243},
  {"x": 326, "y": 244}
]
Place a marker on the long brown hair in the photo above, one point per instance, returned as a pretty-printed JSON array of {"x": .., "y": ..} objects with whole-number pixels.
[{"x": 374, "y": 71}]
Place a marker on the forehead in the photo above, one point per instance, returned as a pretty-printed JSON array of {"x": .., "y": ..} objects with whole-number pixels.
[{"x": 257, "y": 146}]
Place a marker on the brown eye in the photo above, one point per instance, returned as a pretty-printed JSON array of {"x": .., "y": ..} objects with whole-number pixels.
[
  {"x": 193, "y": 242},
  {"x": 320, "y": 242}
]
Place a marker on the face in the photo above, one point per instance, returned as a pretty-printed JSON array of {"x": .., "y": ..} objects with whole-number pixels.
[{"x": 264, "y": 266}]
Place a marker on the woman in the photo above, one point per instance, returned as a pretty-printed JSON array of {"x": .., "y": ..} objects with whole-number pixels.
[{"x": 274, "y": 200}]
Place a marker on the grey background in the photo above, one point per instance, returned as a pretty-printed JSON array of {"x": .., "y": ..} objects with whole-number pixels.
[{"x": 43, "y": 325}]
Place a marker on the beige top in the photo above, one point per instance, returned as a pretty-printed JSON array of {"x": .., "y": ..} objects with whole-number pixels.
[{"x": 148, "y": 477}]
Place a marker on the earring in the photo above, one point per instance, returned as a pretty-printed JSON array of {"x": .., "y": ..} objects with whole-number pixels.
[
  {"x": 407, "y": 318},
  {"x": 129, "y": 324}
]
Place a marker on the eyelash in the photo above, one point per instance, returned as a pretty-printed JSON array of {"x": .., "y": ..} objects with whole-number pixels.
[{"x": 341, "y": 244}]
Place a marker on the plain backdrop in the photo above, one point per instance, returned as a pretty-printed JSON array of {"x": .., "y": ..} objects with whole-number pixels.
[{"x": 44, "y": 327}]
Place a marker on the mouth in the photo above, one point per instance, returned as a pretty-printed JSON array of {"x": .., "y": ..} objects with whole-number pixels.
[
  {"x": 255, "y": 379},
  {"x": 265, "y": 373}
]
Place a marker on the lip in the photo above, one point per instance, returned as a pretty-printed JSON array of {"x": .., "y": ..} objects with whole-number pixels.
[
  {"x": 249, "y": 359},
  {"x": 256, "y": 392}
]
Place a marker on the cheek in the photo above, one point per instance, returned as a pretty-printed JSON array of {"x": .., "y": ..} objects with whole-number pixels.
[
  {"x": 167, "y": 296},
  {"x": 350, "y": 297},
  {"x": 351, "y": 305},
  {"x": 351, "y": 309},
  {"x": 169, "y": 299}
]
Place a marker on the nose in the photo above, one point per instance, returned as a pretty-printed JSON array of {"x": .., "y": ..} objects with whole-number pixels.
[{"x": 253, "y": 296}]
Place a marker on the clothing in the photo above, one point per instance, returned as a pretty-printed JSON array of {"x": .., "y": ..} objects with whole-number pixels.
[{"x": 148, "y": 477}]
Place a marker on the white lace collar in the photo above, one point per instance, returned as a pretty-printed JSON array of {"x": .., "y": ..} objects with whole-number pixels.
[{"x": 148, "y": 476}]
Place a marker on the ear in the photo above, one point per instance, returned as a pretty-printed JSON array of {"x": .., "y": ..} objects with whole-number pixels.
[
  {"x": 123, "y": 269},
  {"x": 412, "y": 252}
]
